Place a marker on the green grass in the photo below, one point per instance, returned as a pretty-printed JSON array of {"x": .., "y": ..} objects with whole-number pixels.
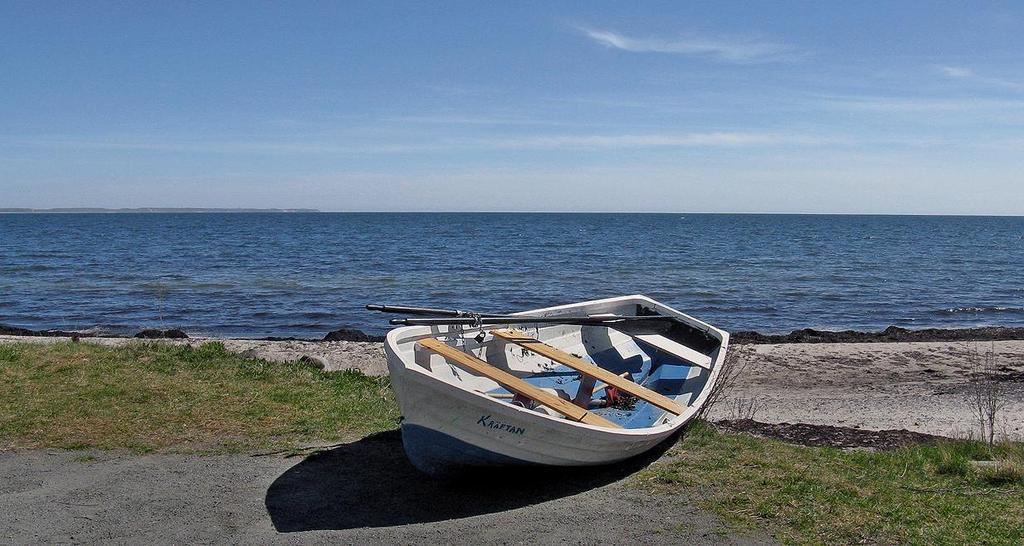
[
  {"x": 149, "y": 397},
  {"x": 1005, "y": 472},
  {"x": 802, "y": 495}
]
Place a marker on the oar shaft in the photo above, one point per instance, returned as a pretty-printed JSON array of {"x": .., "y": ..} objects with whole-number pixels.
[
  {"x": 489, "y": 321},
  {"x": 404, "y": 310}
]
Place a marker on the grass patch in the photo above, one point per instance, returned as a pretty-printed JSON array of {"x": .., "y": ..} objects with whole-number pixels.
[
  {"x": 803, "y": 495},
  {"x": 1004, "y": 472},
  {"x": 150, "y": 397}
]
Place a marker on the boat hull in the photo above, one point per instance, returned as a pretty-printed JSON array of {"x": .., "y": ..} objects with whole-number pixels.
[
  {"x": 448, "y": 429},
  {"x": 446, "y": 432}
]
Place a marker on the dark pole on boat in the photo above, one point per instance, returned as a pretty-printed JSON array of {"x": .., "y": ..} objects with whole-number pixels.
[
  {"x": 492, "y": 320},
  {"x": 403, "y": 310},
  {"x": 450, "y": 317}
]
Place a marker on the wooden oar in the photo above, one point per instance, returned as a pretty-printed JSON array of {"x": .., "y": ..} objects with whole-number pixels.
[
  {"x": 406, "y": 310},
  {"x": 515, "y": 384},
  {"x": 451, "y": 317},
  {"x": 628, "y": 324}
]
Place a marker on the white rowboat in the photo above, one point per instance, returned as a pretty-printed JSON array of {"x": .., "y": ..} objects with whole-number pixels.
[{"x": 476, "y": 396}]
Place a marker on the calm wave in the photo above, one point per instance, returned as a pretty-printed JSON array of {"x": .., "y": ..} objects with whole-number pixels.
[{"x": 305, "y": 274}]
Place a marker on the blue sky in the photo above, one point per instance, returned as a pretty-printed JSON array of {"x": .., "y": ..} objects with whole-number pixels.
[{"x": 876, "y": 107}]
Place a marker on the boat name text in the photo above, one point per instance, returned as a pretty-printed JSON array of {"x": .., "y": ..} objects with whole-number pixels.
[{"x": 486, "y": 421}]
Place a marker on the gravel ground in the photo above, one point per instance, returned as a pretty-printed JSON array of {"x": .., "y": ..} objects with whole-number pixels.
[{"x": 356, "y": 493}]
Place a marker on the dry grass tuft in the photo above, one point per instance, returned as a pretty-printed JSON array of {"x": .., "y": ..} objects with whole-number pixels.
[
  {"x": 1004, "y": 472},
  {"x": 737, "y": 358}
]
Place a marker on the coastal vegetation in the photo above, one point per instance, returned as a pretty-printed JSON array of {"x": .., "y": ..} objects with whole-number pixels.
[
  {"x": 987, "y": 394},
  {"x": 151, "y": 397}
]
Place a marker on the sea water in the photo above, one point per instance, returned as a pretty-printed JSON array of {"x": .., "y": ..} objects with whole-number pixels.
[{"x": 303, "y": 274}]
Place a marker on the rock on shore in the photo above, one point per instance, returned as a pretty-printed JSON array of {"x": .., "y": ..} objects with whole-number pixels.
[
  {"x": 890, "y": 334},
  {"x": 173, "y": 333}
]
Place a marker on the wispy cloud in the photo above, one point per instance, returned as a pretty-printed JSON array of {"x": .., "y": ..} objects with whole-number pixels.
[
  {"x": 687, "y": 140},
  {"x": 957, "y": 72},
  {"x": 542, "y": 142},
  {"x": 161, "y": 144},
  {"x": 732, "y": 49},
  {"x": 966, "y": 74},
  {"x": 443, "y": 119}
]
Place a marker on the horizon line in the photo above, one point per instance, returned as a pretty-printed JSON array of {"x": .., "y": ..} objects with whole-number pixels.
[{"x": 304, "y": 210}]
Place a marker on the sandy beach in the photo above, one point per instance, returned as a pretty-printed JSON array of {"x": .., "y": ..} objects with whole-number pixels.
[
  {"x": 922, "y": 387},
  {"x": 367, "y": 357},
  {"x": 917, "y": 386}
]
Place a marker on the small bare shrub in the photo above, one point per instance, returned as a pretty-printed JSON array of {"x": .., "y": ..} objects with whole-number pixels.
[
  {"x": 747, "y": 408},
  {"x": 986, "y": 394},
  {"x": 736, "y": 361}
]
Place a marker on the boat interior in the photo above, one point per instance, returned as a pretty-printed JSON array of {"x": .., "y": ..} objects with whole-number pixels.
[{"x": 593, "y": 374}]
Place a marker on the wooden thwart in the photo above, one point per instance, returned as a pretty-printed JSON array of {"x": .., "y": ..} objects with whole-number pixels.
[
  {"x": 676, "y": 349},
  {"x": 516, "y": 384},
  {"x": 586, "y": 368}
]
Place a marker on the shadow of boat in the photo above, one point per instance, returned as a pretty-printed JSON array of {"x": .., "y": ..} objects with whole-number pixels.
[{"x": 370, "y": 483}]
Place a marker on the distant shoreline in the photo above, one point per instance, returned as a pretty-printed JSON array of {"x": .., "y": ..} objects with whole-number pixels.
[{"x": 146, "y": 210}]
